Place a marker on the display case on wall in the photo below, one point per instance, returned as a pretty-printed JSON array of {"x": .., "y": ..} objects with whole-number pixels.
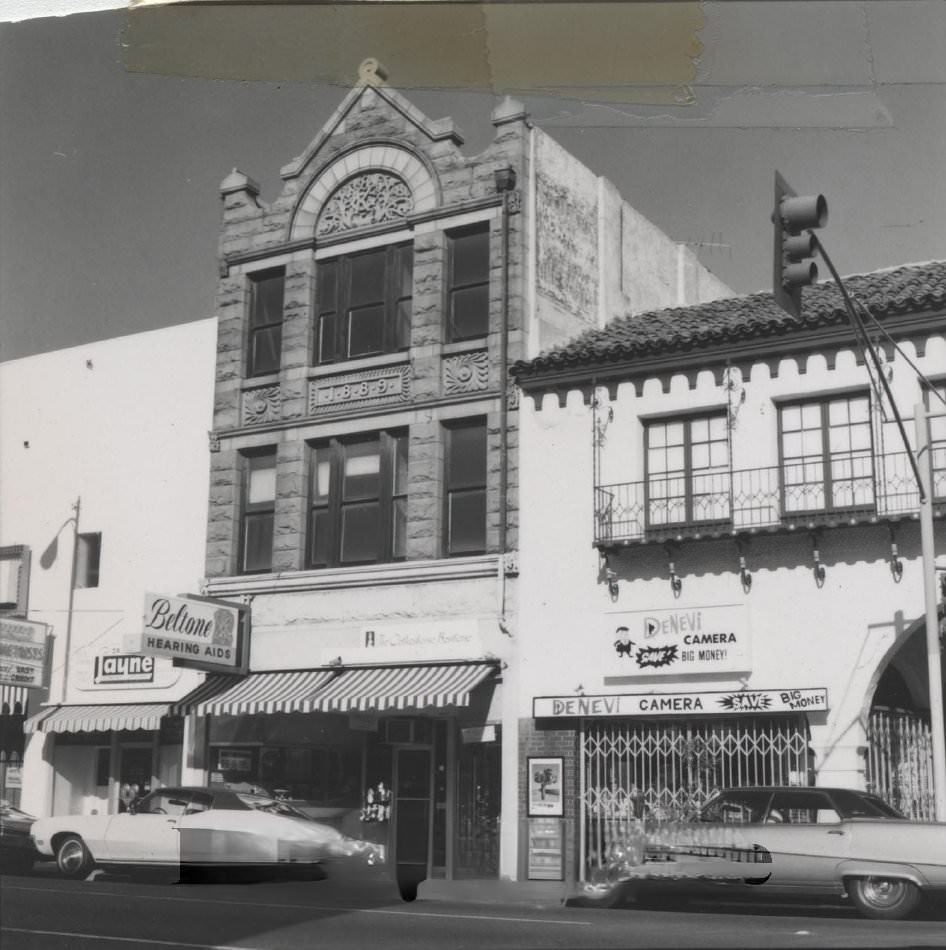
[{"x": 545, "y": 849}]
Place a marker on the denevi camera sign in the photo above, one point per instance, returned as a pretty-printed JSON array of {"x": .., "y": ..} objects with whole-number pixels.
[
  {"x": 704, "y": 639},
  {"x": 195, "y": 631}
]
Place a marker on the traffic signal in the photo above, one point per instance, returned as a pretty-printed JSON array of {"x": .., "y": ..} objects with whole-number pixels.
[{"x": 793, "y": 267}]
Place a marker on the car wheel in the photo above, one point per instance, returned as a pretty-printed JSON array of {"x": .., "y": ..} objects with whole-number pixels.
[
  {"x": 884, "y": 898},
  {"x": 73, "y": 858},
  {"x": 601, "y": 894}
]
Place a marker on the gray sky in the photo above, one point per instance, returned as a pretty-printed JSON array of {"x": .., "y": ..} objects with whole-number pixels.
[{"x": 109, "y": 203}]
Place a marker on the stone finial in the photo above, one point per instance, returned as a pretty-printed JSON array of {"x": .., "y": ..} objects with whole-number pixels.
[
  {"x": 372, "y": 73},
  {"x": 237, "y": 181},
  {"x": 509, "y": 110}
]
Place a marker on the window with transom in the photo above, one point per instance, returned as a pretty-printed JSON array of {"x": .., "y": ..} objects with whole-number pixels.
[
  {"x": 364, "y": 303},
  {"x": 267, "y": 292},
  {"x": 688, "y": 474},
  {"x": 468, "y": 283},
  {"x": 937, "y": 406},
  {"x": 827, "y": 454},
  {"x": 259, "y": 512},
  {"x": 358, "y": 492},
  {"x": 465, "y": 488}
]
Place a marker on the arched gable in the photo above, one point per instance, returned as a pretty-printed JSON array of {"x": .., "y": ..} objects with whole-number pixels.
[{"x": 370, "y": 185}]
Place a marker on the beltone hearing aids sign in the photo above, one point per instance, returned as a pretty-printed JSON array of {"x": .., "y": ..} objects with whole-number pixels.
[{"x": 196, "y": 631}]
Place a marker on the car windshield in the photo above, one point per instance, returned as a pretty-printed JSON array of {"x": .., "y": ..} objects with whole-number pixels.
[
  {"x": 272, "y": 806},
  {"x": 11, "y": 811},
  {"x": 736, "y": 807},
  {"x": 164, "y": 801}
]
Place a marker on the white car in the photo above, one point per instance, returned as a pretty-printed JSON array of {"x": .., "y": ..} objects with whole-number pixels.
[
  {"x": 828, "y": 842},
  {"x": 195, "y": 828}
]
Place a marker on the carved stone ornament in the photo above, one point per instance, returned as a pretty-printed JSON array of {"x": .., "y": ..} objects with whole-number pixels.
[
  {"x": 365, "y": 200},
  {"x": 261, "y": 405},
  {"x": 465, "y": 373},
  {"x": 369, "y": 387}
]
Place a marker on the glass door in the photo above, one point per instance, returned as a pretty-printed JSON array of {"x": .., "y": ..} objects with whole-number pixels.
[{"x": 479, "y": 790}]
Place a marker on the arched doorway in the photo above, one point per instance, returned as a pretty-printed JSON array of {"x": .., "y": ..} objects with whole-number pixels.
[{"x": 899, "y": 748}]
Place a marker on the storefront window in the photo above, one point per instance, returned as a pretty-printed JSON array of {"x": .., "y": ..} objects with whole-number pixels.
[{"x": 318, "y": 767}]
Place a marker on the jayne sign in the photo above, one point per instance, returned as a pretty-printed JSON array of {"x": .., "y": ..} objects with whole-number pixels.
[
  {"x": 681, "y": 704},
  {"x": 194, "y": 631},
  {"x": 670, "y": 642},
  {"x": 123, "y": 668},
  {"x": 23, "y": 645}
]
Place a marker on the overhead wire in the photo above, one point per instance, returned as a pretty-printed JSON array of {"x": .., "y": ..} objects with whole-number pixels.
[{"x": 925, "y": 379}]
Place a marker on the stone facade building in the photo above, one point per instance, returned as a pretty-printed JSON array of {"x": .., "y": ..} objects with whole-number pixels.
[{"x": 364, "y": 491}]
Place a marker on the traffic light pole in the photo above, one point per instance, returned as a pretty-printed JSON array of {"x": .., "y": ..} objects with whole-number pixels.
[
  {"x": 922, "y": 464},
  {"x": 795, "y": 218},
  {"x": 875, "y": 359},
  {"x": 921, "y": 419}
]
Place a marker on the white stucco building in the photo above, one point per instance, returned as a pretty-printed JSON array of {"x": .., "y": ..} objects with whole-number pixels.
[
  {"x": 118, "y": 427},
  {"x": 721, "y": 582}
]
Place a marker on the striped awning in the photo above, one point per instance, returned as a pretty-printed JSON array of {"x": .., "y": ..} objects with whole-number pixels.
[
  {"x": 99, "y": 718},
  {"x": 403, "y": 687},
  {"x": 278, "y": 692},
  {"x": 13, "y": 696}
]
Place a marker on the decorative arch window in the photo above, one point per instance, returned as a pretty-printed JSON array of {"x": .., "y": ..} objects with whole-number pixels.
[{"x": 369, "y": 186}]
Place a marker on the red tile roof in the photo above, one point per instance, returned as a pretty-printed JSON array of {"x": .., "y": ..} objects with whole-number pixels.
[{"x": 911, "y": 288}]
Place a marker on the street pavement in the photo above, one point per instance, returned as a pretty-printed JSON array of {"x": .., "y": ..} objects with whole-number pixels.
[{"x": 42, "y": 911}]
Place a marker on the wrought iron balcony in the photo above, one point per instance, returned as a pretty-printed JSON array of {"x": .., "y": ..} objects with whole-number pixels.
[{"x": 717, "y": 504}]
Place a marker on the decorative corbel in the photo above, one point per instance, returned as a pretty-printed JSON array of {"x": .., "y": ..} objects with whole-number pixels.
[
  {"x": 896, "y": 564},
  {"x": 610, "y": 577},
  {"x": 817, "y": 567},
  {"x": 745, "y": 576},
  {"x": 676, "y": 582}
]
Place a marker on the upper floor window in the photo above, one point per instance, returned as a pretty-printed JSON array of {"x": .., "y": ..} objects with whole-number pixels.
[
  {"x": 266, "y": 310},
  {"x": 365, "y": 303},
  {"x": 358, "y": 500},
  {"x": 938, "y": 439},
  {"x": 827, "y": 455},
  {"x": 688, "y": 470},
  {"x": 468, "y": 283},
  {"x": 465, "y": 489},
  {"x": 88, "y": 559},
  {"x": 14, "y": 579},
  {"x": 259, "y": 512}
]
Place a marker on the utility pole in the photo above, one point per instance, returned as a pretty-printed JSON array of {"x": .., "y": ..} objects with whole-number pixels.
[
  {"x": 928, "y": 559},
  {"x": 73, "y": 571}
]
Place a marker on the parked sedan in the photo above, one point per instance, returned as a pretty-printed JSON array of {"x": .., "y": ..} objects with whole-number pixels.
[
  {"x": 17, "y": 853},
  {"x": 195, "y": 828},
  {"x": 805, "y": 841}
]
